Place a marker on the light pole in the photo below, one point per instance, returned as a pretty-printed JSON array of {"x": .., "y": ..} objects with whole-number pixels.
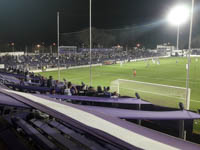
[
  {"x": 58, "y": 31},
  {"x": 90, "y": 41},
  {"x": 177, "y": 16},
  {"x": 188, "y": 56}
]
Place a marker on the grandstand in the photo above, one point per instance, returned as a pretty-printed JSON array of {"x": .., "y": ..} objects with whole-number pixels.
[{"x": 34, "y": 61}]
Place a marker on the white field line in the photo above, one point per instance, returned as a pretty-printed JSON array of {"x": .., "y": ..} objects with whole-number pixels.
[
  {"x": 72, "y": 79},
  {"x": 192, "y": 100},
  {"x": 106, "y": 73},
  {"x": 103, "y": 73},
  {"x": 96, "y": 75},
  {"x": 154, "y": 84},
  {"x": 196, "y": 80},
  {"x": 113, "y": 74},
  {"x": 132, "y": 89},
  {"x": 196, "y": 101}
]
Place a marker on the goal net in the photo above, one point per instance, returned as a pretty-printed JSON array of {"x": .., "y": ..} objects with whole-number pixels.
[{"x": 159, "y": 94}]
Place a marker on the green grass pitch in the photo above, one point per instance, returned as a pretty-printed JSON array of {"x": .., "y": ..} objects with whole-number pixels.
[{"x": 168, "y": 72}]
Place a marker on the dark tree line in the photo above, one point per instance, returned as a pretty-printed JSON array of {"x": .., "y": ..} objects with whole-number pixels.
[
  {"x": 148, "y": 36},
  {"x": 100, "y": 38}
]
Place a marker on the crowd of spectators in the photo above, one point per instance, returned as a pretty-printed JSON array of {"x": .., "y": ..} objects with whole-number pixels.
[
  {"x": 57, "y": 87},
  {"x": 50, "y": 60}
]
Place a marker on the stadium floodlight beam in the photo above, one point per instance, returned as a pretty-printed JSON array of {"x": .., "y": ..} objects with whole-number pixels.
[{"x": 177, "y": 16}]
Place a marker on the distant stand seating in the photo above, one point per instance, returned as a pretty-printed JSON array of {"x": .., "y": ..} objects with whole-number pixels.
[{"x": 47, "y": 60}]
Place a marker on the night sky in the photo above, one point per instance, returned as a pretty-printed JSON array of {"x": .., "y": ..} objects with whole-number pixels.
[{"x": 35, "y": 20}]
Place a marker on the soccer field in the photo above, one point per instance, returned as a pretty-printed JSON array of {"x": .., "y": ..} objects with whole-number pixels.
[{"x": 168, "y": 72}]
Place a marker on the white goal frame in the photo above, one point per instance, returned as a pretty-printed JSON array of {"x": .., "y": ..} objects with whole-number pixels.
[{"x": 186, "y": 98}]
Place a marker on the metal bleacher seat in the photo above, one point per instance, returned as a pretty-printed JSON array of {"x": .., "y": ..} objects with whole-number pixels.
[
  {"x": 35, "y": 134},
  {"x": 56, "y": 135},
  {"x": 76, "y": 136}
]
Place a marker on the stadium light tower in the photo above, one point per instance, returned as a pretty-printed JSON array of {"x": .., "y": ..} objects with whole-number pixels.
[
  {"x": 188, "y": 55},
  {"x": 38, "y": 46},
  {"x": 58, "y": 40},
  {"x": 177, "y": 16},
  {"x": 90, "y": 22}
]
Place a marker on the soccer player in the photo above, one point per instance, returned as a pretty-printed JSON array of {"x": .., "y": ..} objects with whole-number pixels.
[{"x": 134, "y": 72}]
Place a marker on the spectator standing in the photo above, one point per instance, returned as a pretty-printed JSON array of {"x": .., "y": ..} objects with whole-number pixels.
[{"x": 50, "y": 82}]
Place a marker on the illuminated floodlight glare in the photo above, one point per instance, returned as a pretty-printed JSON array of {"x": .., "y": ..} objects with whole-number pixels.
[{"x": 178, "y": 15}]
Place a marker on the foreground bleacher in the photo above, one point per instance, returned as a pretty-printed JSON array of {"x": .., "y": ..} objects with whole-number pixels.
[{"x": 47, "y": 123}]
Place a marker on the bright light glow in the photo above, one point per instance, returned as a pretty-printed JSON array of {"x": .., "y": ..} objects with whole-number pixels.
[{"x": 179, "y": 15}]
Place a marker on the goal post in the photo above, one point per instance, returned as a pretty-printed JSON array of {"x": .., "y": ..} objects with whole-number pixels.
[{"x": 159, "y": 94}]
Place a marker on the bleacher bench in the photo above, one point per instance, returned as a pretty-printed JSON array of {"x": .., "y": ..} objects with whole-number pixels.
[
  {"x": 34, "y": 134},
  {"x": 55, "y": 134},
  {"x": 78, "y": 137}
]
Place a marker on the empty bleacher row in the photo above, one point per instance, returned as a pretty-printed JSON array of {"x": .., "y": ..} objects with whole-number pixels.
[
  {"x": 59, "y": 136},
  {"x": 44, "y": 133}
]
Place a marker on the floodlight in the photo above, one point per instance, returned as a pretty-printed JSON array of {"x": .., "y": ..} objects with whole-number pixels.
[
  {"x": 138, "y": 45},
  {"x": 178, "y": 15}
]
